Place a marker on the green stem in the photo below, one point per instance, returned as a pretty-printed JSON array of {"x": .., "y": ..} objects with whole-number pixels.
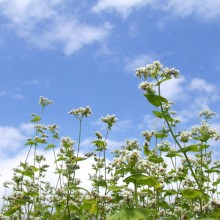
[
  {"x": 105, "y": 165},
  {"x": 135, "y": 194},
  {"x": 79, "y": 142},
  {"x": 184, "y": 153}
]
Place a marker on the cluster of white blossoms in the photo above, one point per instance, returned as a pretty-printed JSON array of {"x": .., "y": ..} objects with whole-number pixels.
[
  {"x": 155, "y": 70},
  {"x": 44, "y": 101},
  {"x": 206, "y": 129},
  {"x": 148, "y": 134},
  {"x": 150, "y": 70},
  {"x": 185, "y": 136},
  {"x": 53, "y": 127},
  {"x": 127, "y": 194},
  {"x": 207, "y": 113},
  {"x": 147, "y": 87},
  {"x": 164, "y": 146},
  {"x": 81, "y": 112},
  {"x": 109, "y": 120},
  {"x": 40, "y": 127},
  {"x": 169, "y": 73},
  {"x": 67, "y": 142}
]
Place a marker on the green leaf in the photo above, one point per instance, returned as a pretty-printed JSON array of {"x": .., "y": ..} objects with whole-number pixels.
[
  {"x": 170, "y": 192},
  {"x": 40, "y": 140},
  {"x": 212, "y": 171},
  {"x": 32, "y": 194},
  {"x": 90, "y": 205},
  {"x": 161, "y": 134},
  {"x": 102, "y": 183},
  {"x": 49, "y": 146},
  {"x": 155, "y": 159},
  {"x": 31, "y": 142},
  {"x": 142, "y": 180},
  {"x": 173, "y": 154},
  {"x": 36, "y": 118},
  {"x": 193, "y": 148},
  {"x": 100, "y": 144},
  {"x": 77, "y": 159},
  {"x": 155, "y": 100},
  {"x": 35, "y": 169},
  {"x": 216, "y": 182},
  {"x": 191, "y": 193},
  {"x": 12, "y": 210},
  {"x": 147, "y": 151},
  {"x": 59, "y": 159},
  {"x": 163, "y": 116},
  {"x": 115, "y": 188},
  {"x": 129, "y": 214},
  {"x": 190, "y": 148}
]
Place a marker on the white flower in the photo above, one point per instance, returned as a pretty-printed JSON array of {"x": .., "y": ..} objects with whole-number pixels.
[
  {"x": 207, "y": 113},
  {"x": 110, "y": 120},
  {"x": 44, "y": 101},
  {"x": 147, "y": 87},
  {"x": 185, "y": 136},
  {"x": 81, "y": 112}
]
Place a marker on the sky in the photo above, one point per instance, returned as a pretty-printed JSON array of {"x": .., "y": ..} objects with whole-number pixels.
[{"x": 80, "y": 53}]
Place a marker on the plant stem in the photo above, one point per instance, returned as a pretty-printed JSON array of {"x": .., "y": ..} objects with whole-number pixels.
[
  {"x": 135, "y": 194},
  {"x": 184, "y": 153}
]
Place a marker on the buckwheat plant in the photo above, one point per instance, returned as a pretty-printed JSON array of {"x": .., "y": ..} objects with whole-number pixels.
[{"x": 170, "y": 176}]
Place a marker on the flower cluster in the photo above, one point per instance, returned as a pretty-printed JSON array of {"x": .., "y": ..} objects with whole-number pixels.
[
  {"x": 148, "y": 134},
  {"x": 185, "y": 136},
  {"x": 169, "y": 73},
  {"x": 150, "y": 70},
  {"x": 44, "y": 101},
  {"x": 81, "y": 112},
  {"x": 207, "y": 113},
  {"x": 109, "y": 120},
  {"x": 147, "y": 87},
  {"x": 155, "y": 70},
  {"x": 205, "y": 131}
]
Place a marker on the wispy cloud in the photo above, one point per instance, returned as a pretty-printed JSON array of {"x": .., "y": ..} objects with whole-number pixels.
[
  {"x": 12, "y": 95},
  {"x": 10, "y": 138},
  {"x": 205, "y": 10},
  {"x": 121, "y": 6},
  {"x": 131, "y": 63},
  {"x": 201, "y": 85},
  {"x": 174, "y": 89},
  {"x": 48, "y": 24}
]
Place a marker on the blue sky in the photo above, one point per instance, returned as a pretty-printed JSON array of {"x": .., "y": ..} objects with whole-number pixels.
[{"x": 78, "y": 53}]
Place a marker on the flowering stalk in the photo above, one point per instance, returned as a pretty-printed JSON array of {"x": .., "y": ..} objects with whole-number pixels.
[{"x": 184, "y": 153}]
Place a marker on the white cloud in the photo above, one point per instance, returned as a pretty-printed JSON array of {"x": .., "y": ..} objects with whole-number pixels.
[
  {"x": 10, "y": 138},
  {"x": 173, "y": 89},
  {"x": 149, "y": 122},
  {"x": 31, "y": 82},
  {"x": 9, "y": 94},
  {"x": 28, "y": 128},
  {"x": 201, "y": 85},
  {"x": 4, "y": 93},
  {"x": 124, "y": 7},
  {"x": 206, "y": 10},
  {"x": 131, "y": 63},
  {"x": 48, "y": 24},
  {"x": 122, "y": 125}
]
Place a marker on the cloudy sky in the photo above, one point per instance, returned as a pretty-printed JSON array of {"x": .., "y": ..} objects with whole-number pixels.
[{"x": 81, "y": 53}]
